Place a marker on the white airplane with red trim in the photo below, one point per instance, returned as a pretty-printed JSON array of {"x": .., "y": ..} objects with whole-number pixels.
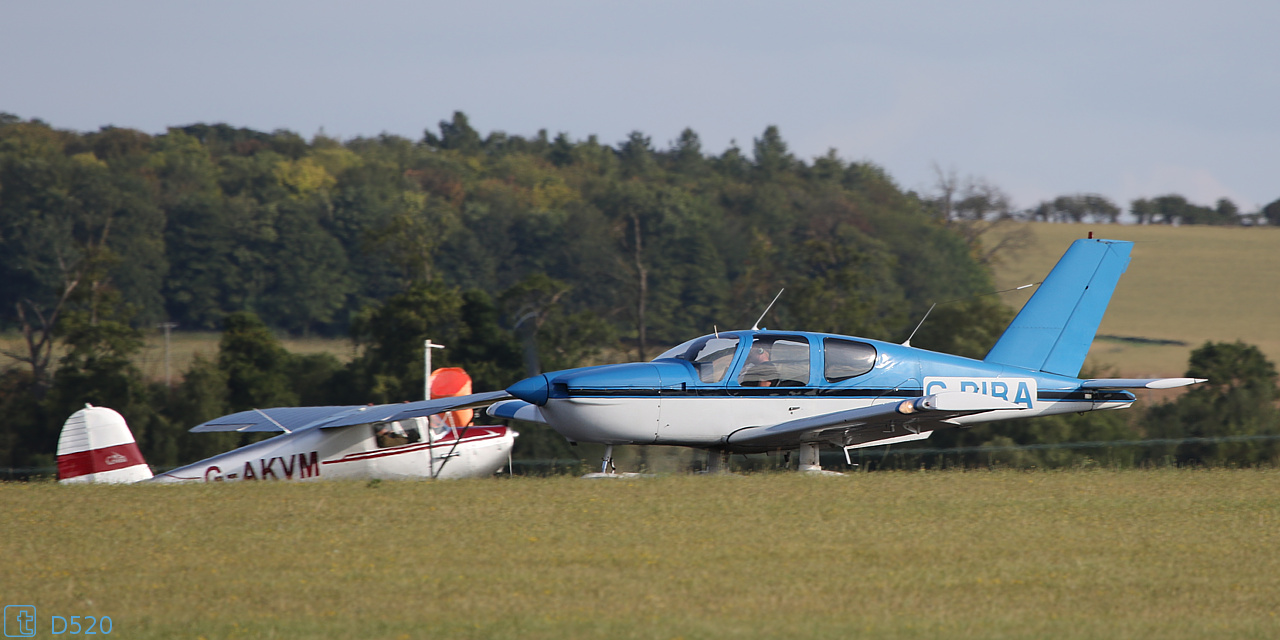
[{"x": 427, "y": 439}]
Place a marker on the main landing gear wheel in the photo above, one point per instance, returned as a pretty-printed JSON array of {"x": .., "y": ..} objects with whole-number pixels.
[
  {"x": 809, "y": 461},
  {"x": 717, "y": 461}
]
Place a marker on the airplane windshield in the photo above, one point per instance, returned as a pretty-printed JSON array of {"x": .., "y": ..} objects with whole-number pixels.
[{"x": 710, "y": 355}]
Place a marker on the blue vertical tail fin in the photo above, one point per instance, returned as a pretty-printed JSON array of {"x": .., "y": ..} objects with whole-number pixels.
[{"x": 1053, "y": 331}]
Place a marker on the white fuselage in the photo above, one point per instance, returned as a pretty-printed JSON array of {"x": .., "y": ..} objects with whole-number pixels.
[
  {"x": 354, "y": 452},
  {"x": 707, "y": 421}
]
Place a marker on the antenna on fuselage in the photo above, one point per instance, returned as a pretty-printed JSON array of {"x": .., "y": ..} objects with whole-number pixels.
[
  {"x": 756, "y": 326},
  {"x": 907, "y": 342}
]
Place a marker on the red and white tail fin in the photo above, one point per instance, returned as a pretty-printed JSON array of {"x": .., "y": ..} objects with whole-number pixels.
[{"x": 97, "y": 446}]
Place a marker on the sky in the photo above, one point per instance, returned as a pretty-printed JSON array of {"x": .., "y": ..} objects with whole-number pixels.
[{"x": 1125, "y": 99}]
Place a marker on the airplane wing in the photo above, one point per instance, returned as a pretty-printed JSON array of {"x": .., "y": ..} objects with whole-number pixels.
[
  {"x": 517, "y": 410},
  {"x": 290, "y": 419},
  {"x": 881, "y": 423},
  {"x": 1140, "y": 383}
]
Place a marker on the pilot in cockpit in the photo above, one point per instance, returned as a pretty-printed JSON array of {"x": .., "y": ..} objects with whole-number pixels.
[
  {"x": 388, "y": 435},
  {"x": 759, "y": 371}
]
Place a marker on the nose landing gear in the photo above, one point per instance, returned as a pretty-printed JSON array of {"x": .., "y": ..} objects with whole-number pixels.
[{"x": 608, "y": 469}]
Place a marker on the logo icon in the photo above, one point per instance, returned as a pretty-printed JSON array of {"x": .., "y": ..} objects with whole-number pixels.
[
  {"x": 115, "y": 459},
  {"x": 19, "y": 621}
]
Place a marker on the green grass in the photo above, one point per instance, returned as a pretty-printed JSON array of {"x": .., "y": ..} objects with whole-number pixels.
[
  {"x": 1100, "y": 554},
  {"x": 1187, "y": 284}
]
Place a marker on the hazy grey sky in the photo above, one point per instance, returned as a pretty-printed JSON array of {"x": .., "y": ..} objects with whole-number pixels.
[{"x": 1126, "y": 99}]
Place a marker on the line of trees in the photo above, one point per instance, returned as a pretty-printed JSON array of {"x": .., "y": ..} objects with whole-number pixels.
[
  {"x": 206, "y": 220},
  {"x": 976, "y": 200}
]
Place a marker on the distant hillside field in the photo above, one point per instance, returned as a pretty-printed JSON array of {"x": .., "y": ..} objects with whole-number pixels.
[
  {"x": 1184, "y": 284},
  {"x": 184, "y": 345}
]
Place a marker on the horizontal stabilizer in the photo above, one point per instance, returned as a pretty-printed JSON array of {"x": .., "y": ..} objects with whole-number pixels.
[
  {"x": 290, "y": 419},
  {"x": 1140, "y": 383},
  {"x": 1054, "y": 330},
  {"x": 931, "y": 408},
  {"x": 517, "y": 410}
]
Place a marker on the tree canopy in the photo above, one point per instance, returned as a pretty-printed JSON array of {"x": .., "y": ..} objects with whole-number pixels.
[{"x": 205, "y": 221}]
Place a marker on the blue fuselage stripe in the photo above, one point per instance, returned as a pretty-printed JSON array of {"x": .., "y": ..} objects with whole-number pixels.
[{"x": 785, "y": 392}]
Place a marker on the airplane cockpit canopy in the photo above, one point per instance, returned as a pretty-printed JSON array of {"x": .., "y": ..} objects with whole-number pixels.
[
  {"x": 710, "y": 355},
  {"x": 774, "y": 360}
]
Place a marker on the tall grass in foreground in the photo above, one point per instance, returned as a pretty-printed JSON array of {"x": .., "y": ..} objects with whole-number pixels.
[{"x": 1101, "y": 554}]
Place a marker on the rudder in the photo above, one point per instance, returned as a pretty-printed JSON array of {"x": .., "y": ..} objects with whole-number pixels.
[
  {"x": 1055, "y": 328},
  {"x": 96, "y": 446}
]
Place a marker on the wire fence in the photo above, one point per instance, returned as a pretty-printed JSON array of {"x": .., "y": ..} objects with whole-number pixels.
[
  {"x": 903, "y": 455},
  {"x": 530, "y": 467},
  {"x": 1097, "y": 444},
  {"x": 1253, "y": 450}
]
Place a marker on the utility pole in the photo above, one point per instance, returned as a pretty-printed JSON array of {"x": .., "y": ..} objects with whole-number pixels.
[
  {"x": 427, "y": 346},
  {"x": 167, "y": 326}
]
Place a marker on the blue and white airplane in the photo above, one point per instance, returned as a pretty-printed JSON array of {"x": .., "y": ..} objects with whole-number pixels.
[{"x": 758, "y": 390}]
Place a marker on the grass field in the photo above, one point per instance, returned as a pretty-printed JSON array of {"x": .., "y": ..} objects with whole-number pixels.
[
  {"x": 1098, "y": 554},
  {"x": 184, "y": 345},
  {"x": 1185, "y": 284}
]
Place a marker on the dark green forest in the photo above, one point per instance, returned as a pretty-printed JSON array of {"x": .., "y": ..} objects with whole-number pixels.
[{"x": 523, "y": 254}]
